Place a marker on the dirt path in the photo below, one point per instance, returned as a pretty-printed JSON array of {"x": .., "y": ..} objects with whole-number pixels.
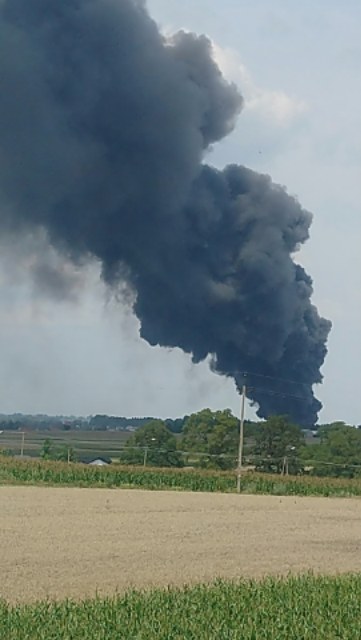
[{"x": 71, "y": 542}]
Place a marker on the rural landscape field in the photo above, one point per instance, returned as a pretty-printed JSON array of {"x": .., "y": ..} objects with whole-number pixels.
[
  {"x": 86, "y": 445},
  {"x": 58, "y": 542},
  {"x": 107, "y": 563},
  {"x": 180, "y": 429}
]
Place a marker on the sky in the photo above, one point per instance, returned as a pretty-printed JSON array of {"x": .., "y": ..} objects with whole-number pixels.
[{"x": 297, "y": 66}]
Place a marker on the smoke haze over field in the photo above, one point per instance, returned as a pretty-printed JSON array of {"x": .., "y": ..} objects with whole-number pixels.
[{"x": 104, "y": 126}]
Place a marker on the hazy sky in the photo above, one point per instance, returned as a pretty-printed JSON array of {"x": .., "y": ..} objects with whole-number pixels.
[{"x": 298, "y": 67}]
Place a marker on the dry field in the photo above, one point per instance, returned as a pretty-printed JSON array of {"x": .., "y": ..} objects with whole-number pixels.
[{"x": 60, "y": 542}]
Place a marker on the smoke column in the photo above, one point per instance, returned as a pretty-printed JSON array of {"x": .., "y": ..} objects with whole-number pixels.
[{"x": 104, "y": 127}]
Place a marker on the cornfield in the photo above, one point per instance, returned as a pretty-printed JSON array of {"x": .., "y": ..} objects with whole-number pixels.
[
  {"x": 296, "y": 608},
  {"x": 58, "y": 473}
]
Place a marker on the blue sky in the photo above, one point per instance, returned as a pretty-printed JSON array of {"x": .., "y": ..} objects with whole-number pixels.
[{"x": 298, "y": 66}]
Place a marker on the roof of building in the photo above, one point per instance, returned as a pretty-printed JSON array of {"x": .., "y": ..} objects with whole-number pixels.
[{"x": 99, "y": 462}]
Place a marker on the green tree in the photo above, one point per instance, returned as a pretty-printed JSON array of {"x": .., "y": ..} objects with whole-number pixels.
[
  {"x": 338, "y": 454},
  {"x": 324, "y": 429},
  {"x": 251, "y": 429},
  {"x": 278, "y": 446},
  {"x": 153, "y": 445},
  {"x": 47, "y": 450},
  {"x": 175, "y": 425},
  {"x": 215, "y": 434},
  {"x": 66, "y": 454}
]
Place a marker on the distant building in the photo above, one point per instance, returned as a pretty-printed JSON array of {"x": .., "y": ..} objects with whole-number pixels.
[{"x": 100, "y": 462}]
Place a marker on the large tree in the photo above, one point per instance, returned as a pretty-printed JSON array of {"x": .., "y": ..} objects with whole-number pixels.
[
  {"x": 214, "y": 435},
  {"x": 339, "y": 452},
  {"x": 278, "y": 446},
  {"x": 152, "y": 445}
]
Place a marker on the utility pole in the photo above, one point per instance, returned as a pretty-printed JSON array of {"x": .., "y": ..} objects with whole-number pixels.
[
  {"x": 146, "y": 451},
  {"x": 240, "y": 448},
  {"x": 22, "y": 443}
]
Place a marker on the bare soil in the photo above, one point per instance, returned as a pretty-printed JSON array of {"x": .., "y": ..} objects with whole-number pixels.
[{"x": 58, "y": 543}]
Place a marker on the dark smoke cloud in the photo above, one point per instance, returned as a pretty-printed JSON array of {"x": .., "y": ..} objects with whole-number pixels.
[{"x": 104, "y": 126}]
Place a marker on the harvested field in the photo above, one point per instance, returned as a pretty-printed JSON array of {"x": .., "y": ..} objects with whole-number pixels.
[{"x": 57, "y": 542}]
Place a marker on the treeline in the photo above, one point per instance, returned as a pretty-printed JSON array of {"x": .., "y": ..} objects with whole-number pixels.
[
  {"x": 102, "y": 422},
  {"x": 105, "y": 423},
  {"x": 338, "y": 452},
  {"x": 99, "y": 422},
  {"x": 211, "y": 440},
  {"x": 19, "y": 421}
]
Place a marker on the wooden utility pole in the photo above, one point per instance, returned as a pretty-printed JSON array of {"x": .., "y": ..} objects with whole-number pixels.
[
  {"x": 22, "y": 443},
  {"x": 146, "y": 451},
  {"x": 240, "y": 448}
]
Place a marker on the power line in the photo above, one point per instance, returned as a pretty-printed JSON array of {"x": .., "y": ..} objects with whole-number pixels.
[
  {"x": 247, "y": 459},
  {"x": 271, "y": 392},
  {"x": 262, "y": 375}
]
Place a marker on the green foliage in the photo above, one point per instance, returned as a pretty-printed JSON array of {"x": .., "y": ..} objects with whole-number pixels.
[
  {"x": 10, "y": 425},
  {"x": 278, "y": 446},
  {"x": 325, "y": 428},
  {"x": 104, "y": 422},
  {"x": 296, "y": 608},
  {"x": 176, "y": 425},
  {"x": 47, "y": 451},
  {"x": 215, "y": 434},
  {"x": 338, "y": 454},
  {"x": 36, "y": 472},
  {"x": 152, "y": 445},
  {"x": 66, "y": 454},
  {"x": 251, "y": 429}
]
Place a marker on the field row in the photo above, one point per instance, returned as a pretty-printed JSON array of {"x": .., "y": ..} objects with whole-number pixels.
[
  {"x": 85, "y": 444},
  {"x": 297, "y": 608},
  {"x": 14, "y": 471}
]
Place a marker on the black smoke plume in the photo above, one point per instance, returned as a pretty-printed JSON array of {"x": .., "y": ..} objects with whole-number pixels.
[{"x": 104, "y": 126}]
